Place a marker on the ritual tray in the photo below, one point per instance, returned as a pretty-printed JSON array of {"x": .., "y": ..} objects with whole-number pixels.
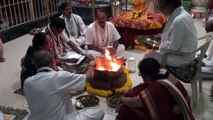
[
  {"x": 146, "y": 40},
  {"x": 114, "y": 99},
  {"x": 72, "y": 54},
  {"x": 35, "y": 31},
  {"x": 86, "y": 101}
]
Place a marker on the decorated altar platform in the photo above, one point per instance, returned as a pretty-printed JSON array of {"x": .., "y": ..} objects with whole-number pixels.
[{"x": 138, "y": 22}]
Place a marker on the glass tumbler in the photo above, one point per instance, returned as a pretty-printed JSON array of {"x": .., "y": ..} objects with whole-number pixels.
[{"x": 132, "y": 64}]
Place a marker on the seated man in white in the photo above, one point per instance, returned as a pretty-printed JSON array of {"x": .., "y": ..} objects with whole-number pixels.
[
  {"x": 179, "y": 35},
  {"x": 75, "y": 27},
  {"x": 102, "y": 34},
  {"x": 208, "y": 68},
  {"x": 60, "y": 42},
  {"x": 47, "y": 92}
]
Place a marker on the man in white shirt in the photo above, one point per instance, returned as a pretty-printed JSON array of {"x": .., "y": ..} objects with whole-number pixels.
[
  {"x": 102, "y": 34},
  {"x": 208, "y": 61},
  {"x": 47, "y": 92},
  {"x": 60, "y": 42},
  {"x": 75, "y": 27},
  {"x": 179, "y": 35}
]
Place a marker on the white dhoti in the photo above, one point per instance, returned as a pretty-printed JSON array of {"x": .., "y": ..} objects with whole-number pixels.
[
  {"x": 172, "y": 60},
  {"x": 101, "y": 38},
  {"x": 90, "y": 113},
  {"x": 209, "y": 50},
  {"x": 92, "y": 54},
  {"x": 80, "y": 40}
]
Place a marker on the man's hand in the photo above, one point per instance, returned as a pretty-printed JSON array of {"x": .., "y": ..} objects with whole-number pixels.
[
  {"x": 158, "y": 37},
  {"x": 90, "y": 72},
  {"x": 112, "y": 51},
  {"x": 71, "y": 60},
  {"x": 102, "y": 51}
]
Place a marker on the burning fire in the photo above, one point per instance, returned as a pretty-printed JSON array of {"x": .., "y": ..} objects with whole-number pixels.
[{"x": 111, "y": 63}]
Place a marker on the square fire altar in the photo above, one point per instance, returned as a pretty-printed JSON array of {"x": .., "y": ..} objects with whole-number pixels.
[{"x": 109, "y": 73}]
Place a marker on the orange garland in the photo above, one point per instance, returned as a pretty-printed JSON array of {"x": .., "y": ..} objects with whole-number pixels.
[{"x": 138, "y": 18}]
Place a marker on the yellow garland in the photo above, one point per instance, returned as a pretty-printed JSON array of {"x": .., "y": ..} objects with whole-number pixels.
[
  {"x": 105, "y": 93},
  {"x": 141, "y": 47},
  {"x": 138, "y": 47}
]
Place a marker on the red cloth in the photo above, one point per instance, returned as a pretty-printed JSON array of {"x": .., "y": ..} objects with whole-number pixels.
[
  {"x": 210, "y": 5},
  {"x": 164, "y": 102},
  {"x": 128, "y": 34},
  {"x": 128, "y": 28}
]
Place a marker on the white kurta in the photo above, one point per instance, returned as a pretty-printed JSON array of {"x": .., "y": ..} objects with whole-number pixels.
[
  {"x": 102, "y": 38},
  {"x": 179, "y": 35},
  {"x": 59, "y": 42},
  {"x": 75, "y": 28},
  {"x": 48, "y": 98},
  {"x": 208, "y": 60}
]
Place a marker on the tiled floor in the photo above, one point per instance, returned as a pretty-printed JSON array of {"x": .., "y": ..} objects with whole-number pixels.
[{"x": 10, "y": 72}]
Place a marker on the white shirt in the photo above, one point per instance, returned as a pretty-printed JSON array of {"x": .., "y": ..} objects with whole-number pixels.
[
  {"x": 99, "y": 37},
  {"x": 74, "y": 26},
  {"x": 47, "y": 94},
  {"x": 59, "y": 42},
  {"x": 179, "y": 35}
]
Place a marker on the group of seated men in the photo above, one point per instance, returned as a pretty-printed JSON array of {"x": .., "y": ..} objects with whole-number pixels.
[
  {"x": 61, "y": 35},
  {"x": 68, "y": 32},
  {"x": 97, "y": 37},
  {"x": 47, "y": 91}
]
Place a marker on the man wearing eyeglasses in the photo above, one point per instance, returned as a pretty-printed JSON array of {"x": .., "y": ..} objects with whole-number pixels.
[
  {"x": 75, "y": 27},
  {"x": 179, "y": 35}
]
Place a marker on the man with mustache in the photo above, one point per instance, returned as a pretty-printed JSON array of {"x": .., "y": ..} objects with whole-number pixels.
[
  {"x": 101, "y": 35},
  {"x": 75, "y": 27}
]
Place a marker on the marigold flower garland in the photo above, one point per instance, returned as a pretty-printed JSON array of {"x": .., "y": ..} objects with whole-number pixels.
[
  {"x": 138, "y": 47},
  {"x": 105, "y": 93},
  {"x": 139, "y": 18}
]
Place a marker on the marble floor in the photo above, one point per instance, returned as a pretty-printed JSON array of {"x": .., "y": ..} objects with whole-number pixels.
[{"x": 10, "y": 74}]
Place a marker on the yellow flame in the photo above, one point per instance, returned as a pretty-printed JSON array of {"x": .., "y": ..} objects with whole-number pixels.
[
  {"x": 114, "y": 66},
  {"x": 101, "y": 68},
  {"x": 107, "y": 55}
]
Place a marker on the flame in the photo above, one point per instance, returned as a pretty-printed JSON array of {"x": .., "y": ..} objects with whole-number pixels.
[
  {"x": 107, "y": 55},
  {"x": 111, "y": 64},
  {"x": 101, "y": 68}
]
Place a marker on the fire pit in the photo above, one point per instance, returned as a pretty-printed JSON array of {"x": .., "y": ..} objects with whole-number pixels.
[{"x": 109, "y": 73}]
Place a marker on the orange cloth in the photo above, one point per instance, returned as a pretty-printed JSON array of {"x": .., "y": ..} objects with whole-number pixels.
[{"x": 146, "y": 21}]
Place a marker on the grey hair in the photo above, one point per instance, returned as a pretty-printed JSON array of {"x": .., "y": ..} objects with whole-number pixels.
[{"x": 43, "y": 58}]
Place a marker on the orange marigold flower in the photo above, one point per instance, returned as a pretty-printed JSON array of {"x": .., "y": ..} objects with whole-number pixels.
[{"x": 137, "y": 2}]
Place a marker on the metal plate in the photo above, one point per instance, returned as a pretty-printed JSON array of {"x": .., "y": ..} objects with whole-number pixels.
[
  {"x": 35, "y": 31},
  {"x": 113, "y": 100},
  {"x": 146, "y": 40},
  {"x": 86, "y": 101}
]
